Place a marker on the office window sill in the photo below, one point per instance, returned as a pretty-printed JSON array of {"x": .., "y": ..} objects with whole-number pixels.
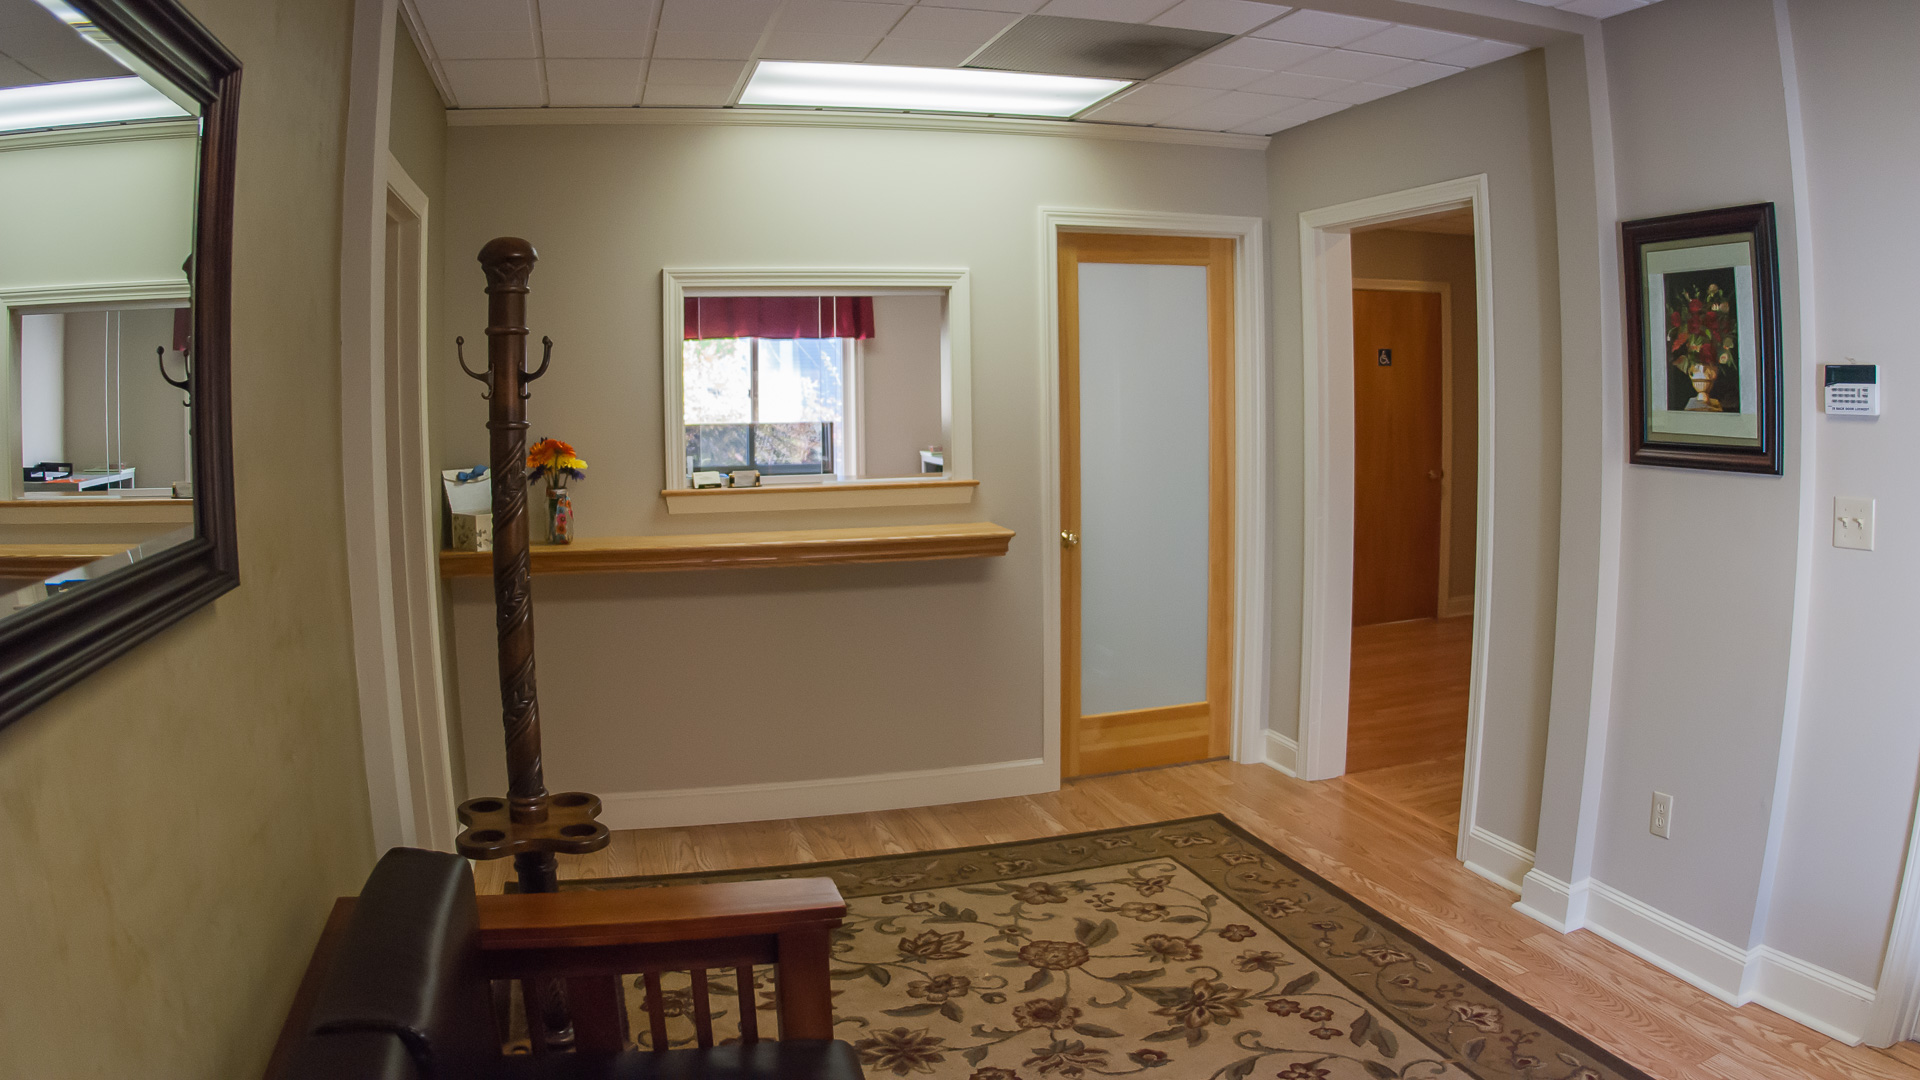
[
  {"x": 828, "y": 496},
  {"x": 709, "y": 551}
]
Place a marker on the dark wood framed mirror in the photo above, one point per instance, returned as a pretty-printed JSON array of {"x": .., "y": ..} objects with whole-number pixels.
[{"x": 143, "y": 79}]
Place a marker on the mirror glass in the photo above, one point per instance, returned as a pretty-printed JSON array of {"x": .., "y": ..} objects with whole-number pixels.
[
  {"x": 807, "y": 389},
  {"x": 99, "y": 169}
]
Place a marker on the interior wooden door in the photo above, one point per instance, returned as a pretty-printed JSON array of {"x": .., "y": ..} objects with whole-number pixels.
[
  {"x": 1397, "y": 455},
  {"x": 1146, "y": 500}
]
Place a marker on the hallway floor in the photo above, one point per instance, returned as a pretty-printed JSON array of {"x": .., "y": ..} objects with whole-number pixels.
[
  {"x": 1402, "y": 866},
  {"x": 1407, "y": 714}
]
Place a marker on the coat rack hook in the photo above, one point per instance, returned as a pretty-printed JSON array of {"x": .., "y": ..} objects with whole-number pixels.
[
  {"x": 460, "y": 351},
  {"x": 184, "y": 383},
  {"x": 546, "y": 357}
]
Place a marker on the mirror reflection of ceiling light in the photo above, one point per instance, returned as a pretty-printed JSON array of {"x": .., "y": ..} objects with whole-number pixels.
[
  {"x": 90, "y": 101},
  {"x": 922, "y": 89}
]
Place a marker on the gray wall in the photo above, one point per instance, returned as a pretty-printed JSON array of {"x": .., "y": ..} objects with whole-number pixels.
[
  {"x": 901, "y": 380},
  {"x": 1858, "y": 750},
  {"x": 859, "y": 670},
  {"x": 1707, "y": 564},
  {"x": 1490, "y": 120},
  {"x": 178, "y": 825}
]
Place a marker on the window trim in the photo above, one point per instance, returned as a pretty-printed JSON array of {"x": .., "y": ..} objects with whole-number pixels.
[{"x": 956, "y": 351}]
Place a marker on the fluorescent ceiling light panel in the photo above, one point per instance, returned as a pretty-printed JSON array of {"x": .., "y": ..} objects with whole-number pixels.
[
  {"x": 75, "y": 104},
  {"x": 923, "y": 89}
]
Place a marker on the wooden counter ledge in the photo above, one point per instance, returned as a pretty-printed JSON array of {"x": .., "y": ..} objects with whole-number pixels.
[{"x": 709, "y": 551}]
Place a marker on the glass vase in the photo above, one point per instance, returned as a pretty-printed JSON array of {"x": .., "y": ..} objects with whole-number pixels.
[{"x": 559, "y": 516}]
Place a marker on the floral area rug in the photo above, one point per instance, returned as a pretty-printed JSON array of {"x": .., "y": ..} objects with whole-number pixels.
[{"x": 1186, "y": 950}]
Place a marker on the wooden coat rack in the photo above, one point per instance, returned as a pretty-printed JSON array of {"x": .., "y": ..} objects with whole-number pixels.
[{"x": 529, "y": 824}]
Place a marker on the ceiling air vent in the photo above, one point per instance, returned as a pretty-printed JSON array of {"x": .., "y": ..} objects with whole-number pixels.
[{"x": 1056, "y": 45}]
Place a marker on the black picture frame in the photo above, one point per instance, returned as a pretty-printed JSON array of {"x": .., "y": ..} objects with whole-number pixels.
[
  {"x": 50, "y": 646},
  {"x": 1652, "y": 423}
]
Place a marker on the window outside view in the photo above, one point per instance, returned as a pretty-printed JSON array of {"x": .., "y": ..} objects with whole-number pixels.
[{"x": 777, "y": 406}]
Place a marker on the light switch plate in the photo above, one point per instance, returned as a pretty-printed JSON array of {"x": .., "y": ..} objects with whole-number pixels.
[{"x": 1853, "y": 523}]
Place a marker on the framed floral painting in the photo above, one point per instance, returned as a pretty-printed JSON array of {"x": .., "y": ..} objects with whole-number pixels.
[{"x": 1703, "y": 340}]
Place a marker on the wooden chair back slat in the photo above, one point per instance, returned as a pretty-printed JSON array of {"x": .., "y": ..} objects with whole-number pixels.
[
  {"x": 702, "y": 1010},
  {"x": 749, "y": 1005},
  {"x": 656, "y": 1010}
]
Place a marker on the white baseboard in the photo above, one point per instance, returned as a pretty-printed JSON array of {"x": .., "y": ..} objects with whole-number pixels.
[
  {"x": 1497, "y": 859},
  {"x": 836, "y": 795},
  {"x": 1457, "y": 606},
  {"x": 1282, "y": 752},
  {"x": 1825, "y": 1001},
  {"x": 1715, "y": 965},
  {"x": 1545, "y": 898}
]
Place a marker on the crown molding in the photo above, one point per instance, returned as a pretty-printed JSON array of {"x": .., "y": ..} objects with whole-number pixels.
[{"x": 983, "y": 125}]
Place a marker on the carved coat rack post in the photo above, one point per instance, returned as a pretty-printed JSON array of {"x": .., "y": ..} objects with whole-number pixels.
[{"x": 529, "y": 824}]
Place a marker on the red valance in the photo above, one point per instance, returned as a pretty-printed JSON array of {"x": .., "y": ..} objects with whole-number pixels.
[{"x": 779, "y": 317}]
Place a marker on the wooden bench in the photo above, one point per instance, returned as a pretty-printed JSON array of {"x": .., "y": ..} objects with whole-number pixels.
[{"x": 410, "y": 980}]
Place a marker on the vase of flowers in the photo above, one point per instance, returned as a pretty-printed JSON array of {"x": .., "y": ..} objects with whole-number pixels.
[
  {"x": 555, "y": 462},
  {"x": 1701, "y": 338}
]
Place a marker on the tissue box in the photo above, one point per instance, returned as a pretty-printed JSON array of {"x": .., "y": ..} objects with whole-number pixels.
[{"x": 473, "y": 532}]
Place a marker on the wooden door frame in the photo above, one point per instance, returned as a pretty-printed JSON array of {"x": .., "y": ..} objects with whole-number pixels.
[
  {"x": 1248, "y": 723},
  {"x": 1326, "y": 654},
  {"x": 1445, "y": 289}
]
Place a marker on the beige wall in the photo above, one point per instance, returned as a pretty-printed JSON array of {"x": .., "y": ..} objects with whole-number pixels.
[
  {"x": 1403, "y": 255},
  {"x": 900, "y": 378},
  {"x": 177, "y": 825},
  {"x": 853, "y": 670},
  {"x": 125, "y": 212},
  {"x": 1490, "y": 120}
]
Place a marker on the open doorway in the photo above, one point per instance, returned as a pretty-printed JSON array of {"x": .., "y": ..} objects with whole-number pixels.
[{"x": 1412, "y": 649}]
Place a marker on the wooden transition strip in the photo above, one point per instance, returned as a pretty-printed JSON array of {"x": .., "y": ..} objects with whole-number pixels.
[
  {"x": 709, "y": 551},
  {"x": 38, "y": 561}
]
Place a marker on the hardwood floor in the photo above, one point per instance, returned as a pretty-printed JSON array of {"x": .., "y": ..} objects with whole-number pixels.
[
  {"x": 1407, "y": 714},
  {"x": 1401, "y": 865}
]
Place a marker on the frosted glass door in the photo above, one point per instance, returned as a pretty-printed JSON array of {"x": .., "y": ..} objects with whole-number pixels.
[{"x": 1143, "y": 486}]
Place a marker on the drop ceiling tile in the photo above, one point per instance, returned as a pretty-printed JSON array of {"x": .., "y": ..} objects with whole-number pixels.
[
  {"x": 1418, "y": 73},
  {"x": 1602, "y": 9},
  {"x": 1259, "y": 53},
  {"x": 1220, "y": 16},
  {"x": 718, "y": 16},
  {"x": 839, "y": 17},
  {"x": 622, "y": 44},
  {"x": 1295, "y": 85},
  {"x": 974, "y": 28},
  {"x": 596, "y": 15},
  {"x": 694, "y": 72},
  {"x": 1294, "y": 117},
  {"x": 916, "y": 52},
  {"x": 1152, "y": 102},
  {"x": 708, "y": 97},
  {"x": 507, "y": 15},
  {"x": 1359, "y": 93},
  {"x": 1477, "y": 53},
  {"x": 588, "y": 83},
  {"x": 1340, "y": 64},
  {"x": 1229, "y": 110},
  {"x": 1321, "y": 28},
  {"x": 1017, "y": 7},
  {"x": 703, "y": 45},
  {"x": 1410, "y": 42},
  {"x": 1133, "y": 11},
  {"x": 1215, "y": 76},
  {"x": 12, "y": 74},
  {"x": 484, "y": 44},
  {"x": 832, "y": 48},
  {"x": 495, "y": 84}
]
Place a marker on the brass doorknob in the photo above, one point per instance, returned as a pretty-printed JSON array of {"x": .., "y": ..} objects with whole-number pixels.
[{"x": 1068, "y": 539}]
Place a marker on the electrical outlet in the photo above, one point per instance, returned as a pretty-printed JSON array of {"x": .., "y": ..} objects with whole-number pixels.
[
  {"x": 1662, "y": 823},
  {"x": 1853, "y": 523}
]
